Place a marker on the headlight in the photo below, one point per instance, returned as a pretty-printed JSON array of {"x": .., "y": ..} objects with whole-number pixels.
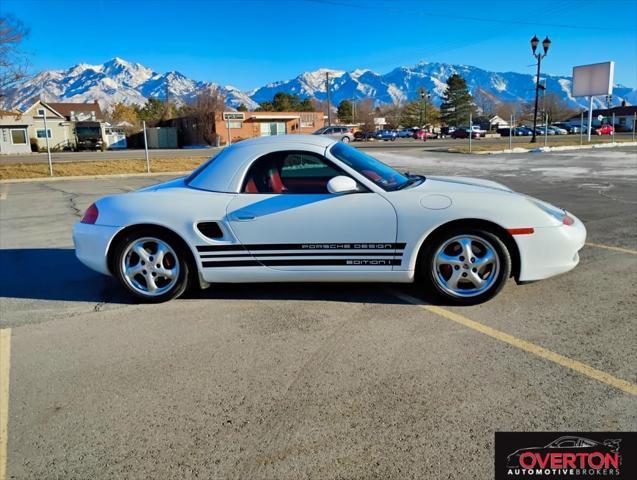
[{"x": 557, "y": 213}]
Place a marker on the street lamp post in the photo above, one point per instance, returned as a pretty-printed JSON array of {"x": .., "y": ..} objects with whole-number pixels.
[
  {"x": 427, "y": 97},
  {"x": 422, "y": 98},
  {"x": 539, "y": 56}
]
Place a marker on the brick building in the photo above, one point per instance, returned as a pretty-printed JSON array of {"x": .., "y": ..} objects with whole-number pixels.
[{"x": 258, "y": 124}]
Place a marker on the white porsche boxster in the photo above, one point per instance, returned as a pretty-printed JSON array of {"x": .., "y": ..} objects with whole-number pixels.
[{"x": 299, "y": 208}]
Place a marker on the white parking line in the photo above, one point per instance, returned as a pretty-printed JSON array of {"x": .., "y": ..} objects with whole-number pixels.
[{"x": 5, "y": 367}]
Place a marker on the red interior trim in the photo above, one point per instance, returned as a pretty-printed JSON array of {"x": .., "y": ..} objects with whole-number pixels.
[{"x": 521, "y": 231}]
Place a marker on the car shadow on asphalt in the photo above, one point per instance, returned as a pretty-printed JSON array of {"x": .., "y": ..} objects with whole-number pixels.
[
  {"x": 54, "y": 274},
  {"x": 378, "y": 293}
]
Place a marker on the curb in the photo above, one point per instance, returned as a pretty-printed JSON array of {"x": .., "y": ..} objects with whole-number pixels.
[{"x": 91, "y": 177}]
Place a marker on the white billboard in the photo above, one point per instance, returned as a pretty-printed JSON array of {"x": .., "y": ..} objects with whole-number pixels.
[{"x": 594, "y": 79}]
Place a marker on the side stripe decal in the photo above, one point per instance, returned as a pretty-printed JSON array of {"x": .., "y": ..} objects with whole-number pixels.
[
  {"x": 303, "y": 254},
  {"x": 371, "y": 262},
  {"x": 301, "y": 246}
]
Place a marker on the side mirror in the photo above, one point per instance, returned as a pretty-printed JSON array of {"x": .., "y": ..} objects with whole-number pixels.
[{"x": 342, "y": 184}]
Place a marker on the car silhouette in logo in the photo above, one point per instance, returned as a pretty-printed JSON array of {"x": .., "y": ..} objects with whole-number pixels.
[{"x": 565, "y": 444}]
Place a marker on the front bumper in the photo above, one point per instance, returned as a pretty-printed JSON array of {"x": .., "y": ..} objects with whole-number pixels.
[
  {"x": 550, "y": 251},
  {"x": 92, "y": 243}
]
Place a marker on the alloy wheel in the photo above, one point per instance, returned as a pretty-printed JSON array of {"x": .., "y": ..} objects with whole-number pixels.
[
  {"x": 466, "y": 266},
  {"x": 150, "y": 266}
]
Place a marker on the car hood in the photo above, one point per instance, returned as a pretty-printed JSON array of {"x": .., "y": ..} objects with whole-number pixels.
[{"x": 472, "y": 182}]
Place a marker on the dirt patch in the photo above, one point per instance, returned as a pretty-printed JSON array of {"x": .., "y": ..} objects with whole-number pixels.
[{"x": 102, "y": 167}]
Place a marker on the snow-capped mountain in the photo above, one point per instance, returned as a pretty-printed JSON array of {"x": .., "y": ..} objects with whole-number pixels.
[
  {"x": 114, "y": 81},
  {"x": 118, "y": 80}
]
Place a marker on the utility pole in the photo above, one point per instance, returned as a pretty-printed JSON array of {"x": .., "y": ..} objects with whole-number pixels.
[
  {"x": 48, "y": 146},
  {"x": 539, "y": 56},
  {"x": 329, "y": 103},
  {"x": 146, "y": 148}
]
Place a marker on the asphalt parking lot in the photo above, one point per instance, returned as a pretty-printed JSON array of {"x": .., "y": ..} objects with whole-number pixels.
[{"x": 313, "y": 381}]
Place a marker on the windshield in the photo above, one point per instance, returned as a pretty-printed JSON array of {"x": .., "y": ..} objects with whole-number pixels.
[
  {"x": 88, "y": 131},
  {"x": 382, "y": 175}
]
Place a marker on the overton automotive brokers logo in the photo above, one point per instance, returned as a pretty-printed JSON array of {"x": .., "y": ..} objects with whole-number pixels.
[{"x": 562, "y": 456}]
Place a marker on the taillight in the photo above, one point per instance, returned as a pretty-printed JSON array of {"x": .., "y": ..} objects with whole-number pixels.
[
  {"x": 568, "y": 220},
  {"x": 90, "y": 216}
]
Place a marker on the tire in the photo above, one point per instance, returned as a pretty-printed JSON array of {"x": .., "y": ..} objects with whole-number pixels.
[
  {"x": 453, "y": 278},
  {"x": 151, "y": 265},
  {"x": 345, "y": 139}
]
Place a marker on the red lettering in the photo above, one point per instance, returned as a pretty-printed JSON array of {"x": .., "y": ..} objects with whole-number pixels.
[
  {"x": 557, "y": 460},
  {"x": 582, "y": 459},
  {"x": 569, "y": 460},
  {"x": 530, "y": 463},
  {"x": 596, "y": 460},
  {"x": 612, "y": 460},
  {"x": 543, "y": 462}
]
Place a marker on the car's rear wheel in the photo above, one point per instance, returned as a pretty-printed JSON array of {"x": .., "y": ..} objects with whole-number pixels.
[
  {"x": 151, "y": 266},
  {"x": 466, "y": 266}
]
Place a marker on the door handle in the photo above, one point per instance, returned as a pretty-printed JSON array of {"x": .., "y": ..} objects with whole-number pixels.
[{"x": 244, "y": 217}]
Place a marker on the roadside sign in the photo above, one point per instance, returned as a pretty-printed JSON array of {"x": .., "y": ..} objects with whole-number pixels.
[
  {"x": 592, "y": 80},
  {"x": 228, "y": 116}
]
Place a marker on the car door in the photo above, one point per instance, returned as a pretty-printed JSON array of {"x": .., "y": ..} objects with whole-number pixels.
[{"x": 286, "y": 219}]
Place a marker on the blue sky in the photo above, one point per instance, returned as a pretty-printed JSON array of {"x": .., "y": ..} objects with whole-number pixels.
[{"x": 247, "y": 43}]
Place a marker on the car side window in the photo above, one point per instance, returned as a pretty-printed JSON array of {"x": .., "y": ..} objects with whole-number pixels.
[
  {"x": 567, "y": 443},
  {"x": 292, "y": 172}
]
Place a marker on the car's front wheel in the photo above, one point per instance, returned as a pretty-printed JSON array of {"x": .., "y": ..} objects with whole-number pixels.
[
  {"x": 152, "y": 266},
  {"x": 466, "y": 266},
  {"x": 345, "y": 139}
]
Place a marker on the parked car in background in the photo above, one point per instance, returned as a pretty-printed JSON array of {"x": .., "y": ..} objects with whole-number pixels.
[
  {"x": 386, "y": 135},
  {"x": 364, "y": 135},
  {"x": 422, "y": 134},
  {"x": 542, "y": 130},
  {"x": 606, "y": 129},
  {"x": 558, "y": 130},
  {"x": 464, "y": 133},
  {"x": 446, "y": 131},
  {"x": 480, "y": 131},
  {"x": 405, "y": 133},
  {"x": 339, "y": 132},
  {"x": 567, "y": 126},
  {"x": 523, "y": 131}
]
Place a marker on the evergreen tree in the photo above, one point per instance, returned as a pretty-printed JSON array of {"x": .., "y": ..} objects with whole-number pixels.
[
  {"x": 153, "y": 110},
  {"x": 242, "y": 108},
  {"x": 414, "y": 111},
  {"x": 285, "y": 102},
  {"x": 457, "y": 102},
  {"x": 345, "y": 112}
]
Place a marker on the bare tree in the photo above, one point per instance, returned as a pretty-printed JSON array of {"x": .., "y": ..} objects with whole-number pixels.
[
  {"x": 208, "y": 102},
  {"x": 365, "y": 114},
  {"x": 13, "y": 65},
  {"x": 485, "y": 102}
]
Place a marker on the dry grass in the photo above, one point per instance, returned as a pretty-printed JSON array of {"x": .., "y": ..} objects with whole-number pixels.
[
  {"x": 553, "y": 142},
  {"x": 102, "y": 167}
]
